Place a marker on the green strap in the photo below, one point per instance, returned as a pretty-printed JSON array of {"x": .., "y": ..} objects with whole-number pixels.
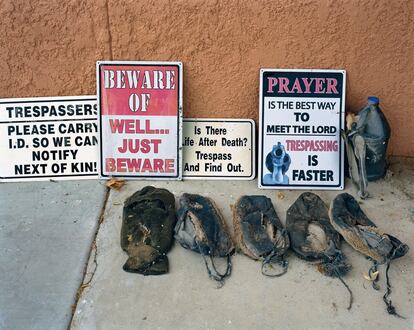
[
  {"x": 212, "y": 270},
  {"x": 271, "y": 260},
  {"x": 355, "y": 150}
]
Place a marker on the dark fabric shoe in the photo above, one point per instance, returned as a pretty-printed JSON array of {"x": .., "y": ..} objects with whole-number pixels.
[
  {"x": 201, "y": 228},
  {"x": 311, "y": 234},
  {"x": 259, "y": 233},
  {"x": 361, "y": 233},
  {"x": 147, "y": 230},
  {"x": 364, "y": 236},
  {"x": 313, "y": 238}
]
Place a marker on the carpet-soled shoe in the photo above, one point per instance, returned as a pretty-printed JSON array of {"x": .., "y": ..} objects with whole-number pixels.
[
  {"x": 361, "y": 233},
  {"x": 313, "y": 238},
  {"x": 364, "y": 236},
  {"x": 147, "y": 230},
  {"x": 259, "y": 233},
  {"x": 201, "y": 228}
]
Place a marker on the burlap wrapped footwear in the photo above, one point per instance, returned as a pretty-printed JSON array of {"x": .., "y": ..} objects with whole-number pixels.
[
  {"x": 313, "y": 238},
  {"x": 201, "y": 228},
  {"x": 147, "y": 230},
  {"x": 361, "y": 233},
  {"x": 259, "y": 233},
  {"x": 364, "y": 236}
]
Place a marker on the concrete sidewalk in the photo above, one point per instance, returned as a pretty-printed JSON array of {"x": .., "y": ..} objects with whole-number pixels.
[
  {"x": 46, "y": 230},
  {"x": 46, "y": 234},
  {"x": 302, "y": 299}
]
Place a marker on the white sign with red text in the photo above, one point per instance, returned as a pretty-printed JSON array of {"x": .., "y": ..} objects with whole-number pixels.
[
  {"x": 301, "y": 117},
  {"x": 140, "y": 119}
]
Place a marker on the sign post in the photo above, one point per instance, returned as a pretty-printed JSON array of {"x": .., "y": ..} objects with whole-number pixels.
[
  {"x": 301, "y": 115},
  {"x": 140, "y": 119}
]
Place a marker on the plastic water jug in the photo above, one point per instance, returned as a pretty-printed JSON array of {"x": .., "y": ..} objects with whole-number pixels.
[{"x": 374, "y": 128}]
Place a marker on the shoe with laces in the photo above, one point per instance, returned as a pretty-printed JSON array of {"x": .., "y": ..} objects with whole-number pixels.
[
  {"x": 259, "y": 233},
  {"x": 201, "y": 228}
]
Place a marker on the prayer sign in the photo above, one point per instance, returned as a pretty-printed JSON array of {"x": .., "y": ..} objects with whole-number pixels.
[
  {"x": 216, "y": 149},
  {"x": 48, "y": 138},
  {"x": 140, "y": 119},
  {"x": 301, "y": 115}
]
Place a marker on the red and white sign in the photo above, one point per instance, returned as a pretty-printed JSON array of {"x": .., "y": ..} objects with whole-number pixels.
[{"x": 140, "y": 119}]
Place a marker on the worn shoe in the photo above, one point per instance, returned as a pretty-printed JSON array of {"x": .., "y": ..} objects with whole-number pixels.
[
  {"x": 201, "y": 228},
  {"x": 147, "y": 230},
  {"x": 361, "y": 233},
  {"x": 259, "y": 233},
  {"x": 313, "y": 238},
  {"x": 364, "y": 236}
]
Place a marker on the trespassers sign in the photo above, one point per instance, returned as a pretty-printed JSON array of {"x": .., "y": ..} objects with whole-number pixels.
[
  {"x": 43, "y": 138},
  {"x": 301, "y": 115},
  {"x": 140, "y": 119}
]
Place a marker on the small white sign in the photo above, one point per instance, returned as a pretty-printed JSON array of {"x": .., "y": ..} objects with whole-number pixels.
[
  {"x": 301, "y": 115},
  {"x": 219, "y": 149},
  {"x": 43, "y": 138}
]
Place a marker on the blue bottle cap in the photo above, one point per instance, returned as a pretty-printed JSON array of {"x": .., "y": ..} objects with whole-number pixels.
[{"x": 373, "y": 100}]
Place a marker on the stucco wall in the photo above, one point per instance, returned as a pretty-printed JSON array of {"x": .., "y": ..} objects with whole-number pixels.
[{"x": 49, "y": 48}]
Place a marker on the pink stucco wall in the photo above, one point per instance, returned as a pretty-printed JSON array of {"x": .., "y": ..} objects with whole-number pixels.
[{"x": 49, "y": 48}]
